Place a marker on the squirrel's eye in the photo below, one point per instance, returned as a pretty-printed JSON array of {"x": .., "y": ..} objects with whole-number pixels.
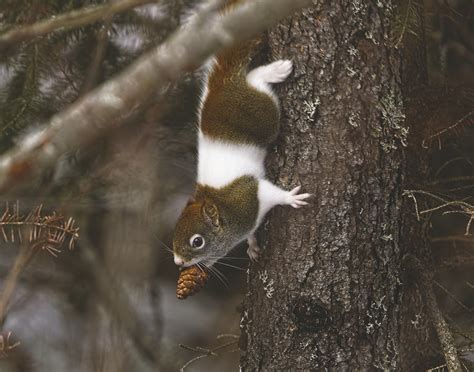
[{"x": 197, "y": 241}]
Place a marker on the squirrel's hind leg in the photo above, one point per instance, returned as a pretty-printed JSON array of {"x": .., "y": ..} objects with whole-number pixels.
[{"x": 261, "y": 77}]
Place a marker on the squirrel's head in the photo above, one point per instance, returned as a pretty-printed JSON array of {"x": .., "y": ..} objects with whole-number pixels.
[{"x": 199, "y": 234}]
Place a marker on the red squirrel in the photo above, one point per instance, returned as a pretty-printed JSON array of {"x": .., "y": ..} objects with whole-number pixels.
[{"x": 238, "y": 120}]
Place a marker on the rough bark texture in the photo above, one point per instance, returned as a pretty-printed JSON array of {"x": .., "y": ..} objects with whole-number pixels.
[{"x": 328, "y": 290}]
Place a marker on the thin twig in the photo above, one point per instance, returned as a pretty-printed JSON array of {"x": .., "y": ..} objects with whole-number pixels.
[
  {"x": 67, "y": 21},
  {"x": 461, "y": 238},
  {"x": 412, "y": 196},
  {"x": 405, "y": 25},
  {"x": 191, "y": 361},
  {"x": 452, "y": 179},
  {"x": 453, "y": 203},
  {"x": 22, "y": 260},
  {"x": 445, "y": 336},
  {"x": 460, "y": 188},
  {"x": 460, "y": 203},
  {"x": 114, "y": 296},
  {"x": 464, "y": 335},
  {"x": 468, "y": 226},
  {"x": 437, "y": 368},
  {"x": 208, "y": 352},
  {"x": 198, "y": 349},
  {"x": 465, "y": 208},
  {"x": 117, "y": 100},
  {"x": 92, "y": 75},
  {"x": 445, "y": 130},
  {"x": 449, "y": 162},
  {"x": 6, "y": 346},
  {"x": 453, "y": 297},
  {"x": 227, "y": 335}
]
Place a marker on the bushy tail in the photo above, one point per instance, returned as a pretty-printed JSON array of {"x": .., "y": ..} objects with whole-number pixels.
[
  {"x": 230, "y": 4},
  {"x": 234, "y": 61}
]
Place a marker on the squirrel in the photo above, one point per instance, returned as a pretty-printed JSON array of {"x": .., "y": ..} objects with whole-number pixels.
[{"x": 238, "y": 119}]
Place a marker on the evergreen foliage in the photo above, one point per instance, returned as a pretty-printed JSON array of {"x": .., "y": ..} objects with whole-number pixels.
[{"x": 41, "y": 77}]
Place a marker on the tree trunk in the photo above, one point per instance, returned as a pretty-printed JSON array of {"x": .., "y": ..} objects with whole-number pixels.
[{"x": 328, "y": 290}]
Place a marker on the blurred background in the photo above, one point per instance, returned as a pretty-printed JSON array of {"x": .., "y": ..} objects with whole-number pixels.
[{"x": 109, "y": 303}]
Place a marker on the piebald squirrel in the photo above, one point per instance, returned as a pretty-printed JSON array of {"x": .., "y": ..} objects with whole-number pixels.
[{"x": 238, "y": 120}]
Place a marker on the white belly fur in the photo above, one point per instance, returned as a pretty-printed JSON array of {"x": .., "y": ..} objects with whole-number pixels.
[{"x": 220, "y": 163}]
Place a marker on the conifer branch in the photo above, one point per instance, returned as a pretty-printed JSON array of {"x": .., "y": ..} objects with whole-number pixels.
[
  {"x": 67, "y": 21},
  {"x": 47, "y": 232},
  {"x": 110, "y": 104},
  {"x": 33, "y": 231}
]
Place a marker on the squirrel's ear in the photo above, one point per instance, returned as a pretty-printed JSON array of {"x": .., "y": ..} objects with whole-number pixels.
[{"x": 211, "y": 214}]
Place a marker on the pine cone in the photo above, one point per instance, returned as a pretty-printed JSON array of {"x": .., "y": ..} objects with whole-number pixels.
[{"x": 191, "y": 280}]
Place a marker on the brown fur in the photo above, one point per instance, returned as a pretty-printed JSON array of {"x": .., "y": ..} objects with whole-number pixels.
[
  {"x": 236, "y": 112},
  {"x": 233, "y": 110}
]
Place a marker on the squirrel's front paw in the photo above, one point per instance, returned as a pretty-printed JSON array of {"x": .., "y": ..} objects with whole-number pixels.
[
  {"x": 253, "y": 250},
  {"x": 297, "y": 200}
]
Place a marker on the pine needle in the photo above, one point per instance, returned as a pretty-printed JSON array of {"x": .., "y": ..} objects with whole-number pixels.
[{"x": 45, "y": 231}]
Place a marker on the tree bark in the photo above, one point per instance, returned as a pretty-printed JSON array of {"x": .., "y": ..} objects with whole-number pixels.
[{"x": 328, "y": 291}]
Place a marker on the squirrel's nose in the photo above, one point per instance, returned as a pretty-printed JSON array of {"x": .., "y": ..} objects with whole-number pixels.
[{"x": 178, "y": 261}]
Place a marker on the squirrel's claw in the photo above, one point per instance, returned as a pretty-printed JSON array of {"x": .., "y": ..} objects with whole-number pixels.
[
  {"x": 297, "y": 200},
  {"x": 253, "y": 250},
  {"x": 295, "y": 190}
]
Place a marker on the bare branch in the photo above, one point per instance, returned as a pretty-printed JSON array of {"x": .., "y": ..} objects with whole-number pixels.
[
  {"x": 452, "y": 179},
  {"x": 453, "y": 297},
  {"x": 437, "y": 368},
  {"x": 445, "y": 336},
  {"x": 461, "y": 238},
  {"x": 446, "y": 130},
  {"x": 93, "y": 71},
  {"x": 458, "y": 203},
  {"x": 115, "y": 298},
  {"x": 111, "y": 103},
  {"x": 205, "y": 352},
  {"x": 67, "y": 21},
  {"x": 464, "y": 208},
  {"x": 448, "y": 163},
  {"x": 5, "y": 344},
  {"x": 21, "y": 262}
]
